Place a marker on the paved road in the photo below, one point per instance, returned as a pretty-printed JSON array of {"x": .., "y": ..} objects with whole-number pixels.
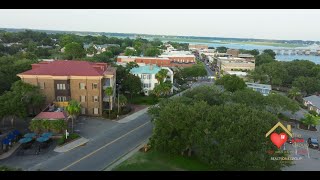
[
  {"x": 209, "y": 71},
  {"x": 108, "y": 142},
  {"x": 103, "y": 150}
]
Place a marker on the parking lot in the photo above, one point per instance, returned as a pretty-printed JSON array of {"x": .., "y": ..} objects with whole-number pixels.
[
  {"x": 308, "y": 162},
  {"x": 88, "y": 127}
]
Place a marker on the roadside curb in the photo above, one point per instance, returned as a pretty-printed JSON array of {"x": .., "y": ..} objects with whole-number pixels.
[
  {"x": 66, "y": 149},
  {"x": 125, "y": 156}
]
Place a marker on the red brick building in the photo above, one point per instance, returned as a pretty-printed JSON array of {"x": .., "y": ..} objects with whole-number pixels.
[{"x": 162, "y": 61}]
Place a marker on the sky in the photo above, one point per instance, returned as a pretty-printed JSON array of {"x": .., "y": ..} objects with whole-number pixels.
[{"x": 282, "y": 24}]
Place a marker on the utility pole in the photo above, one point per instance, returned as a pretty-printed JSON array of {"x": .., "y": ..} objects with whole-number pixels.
[{"x": 118, "y": 102}]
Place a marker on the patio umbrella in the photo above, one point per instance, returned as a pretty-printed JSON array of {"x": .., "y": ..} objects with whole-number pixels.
[
  {"x": 6, "y": 141},
  {"x": 42, "y": 139},
  {"x": 29, "y": 135},
  {"x": 16, "y": 132},
  {"x": 10, "y": 136},
  {"x": 25, "y": 140},
  {"x": 48, "y": 134}
]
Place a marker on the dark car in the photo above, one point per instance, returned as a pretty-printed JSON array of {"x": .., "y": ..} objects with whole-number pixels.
[{"x": 313, "y": 143}]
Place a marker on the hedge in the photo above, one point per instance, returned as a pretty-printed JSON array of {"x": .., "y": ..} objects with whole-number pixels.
[{"x": 45, "y": 125}]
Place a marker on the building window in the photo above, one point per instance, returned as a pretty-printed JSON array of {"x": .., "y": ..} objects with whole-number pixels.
[
  {"x": 95, "y": 110},
  {"x": 144, "y": 76},
  {"x": 82, "y": 86},
  {"x": 83, "y": 110},
  {"x": 146, "y": 85},
  {"x": 61, "y": 86},
  {"x": 149, "y": 76},
  {"x": 41, "y": 85},
  {"x": 95, "y": 99},
  {"x": 61, "y": 98},
  {"x": 82, "y": 98},
  {"x": 94, "y": 86},
  {"x": 107, "y": 82}
]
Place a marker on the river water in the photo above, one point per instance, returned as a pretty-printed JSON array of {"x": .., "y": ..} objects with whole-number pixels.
[{"x": 315, "y": 59}]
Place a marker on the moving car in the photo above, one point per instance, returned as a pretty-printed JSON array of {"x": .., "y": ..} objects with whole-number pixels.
[{"x": 313, "y": 143}]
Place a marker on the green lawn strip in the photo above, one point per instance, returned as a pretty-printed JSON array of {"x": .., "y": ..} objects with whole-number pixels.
[{"x": 156, "y": 161}]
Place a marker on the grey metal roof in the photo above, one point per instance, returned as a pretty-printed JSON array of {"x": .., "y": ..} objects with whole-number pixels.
[
  {"x": 256, "y": 85},
  {"x": 315, "y": 100}
]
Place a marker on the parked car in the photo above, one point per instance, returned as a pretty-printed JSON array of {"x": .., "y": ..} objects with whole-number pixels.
[{"x": 313, "y": 143}]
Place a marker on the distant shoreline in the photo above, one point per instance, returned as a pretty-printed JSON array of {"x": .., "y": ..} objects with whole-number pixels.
[{"x": 275, "y": 44}]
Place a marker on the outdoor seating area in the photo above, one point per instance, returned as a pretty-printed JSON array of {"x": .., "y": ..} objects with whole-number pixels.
[
  {"x": 11, "y": 138},
  {"x": 36, "y": 142}
]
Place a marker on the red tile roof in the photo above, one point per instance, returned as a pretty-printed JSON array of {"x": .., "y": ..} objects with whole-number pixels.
[
  {"x": 67, "y": 68},
  {"x": 51, "y": 115}
]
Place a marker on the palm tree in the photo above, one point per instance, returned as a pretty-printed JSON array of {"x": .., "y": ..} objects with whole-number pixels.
[
  {"x": 161, "y": 75},
  {"x": 167, "y": 87},
  {"x": 109, "y": 91},
  {"x": 294, "y": 92},
  {"x": 73, "y": 109}
]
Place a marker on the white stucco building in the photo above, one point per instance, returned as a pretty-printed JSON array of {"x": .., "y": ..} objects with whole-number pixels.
[{"x": 147, "y": 74}]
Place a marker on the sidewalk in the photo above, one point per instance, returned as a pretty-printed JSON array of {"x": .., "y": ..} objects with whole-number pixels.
[
  {"x": 71, "y": 145},
  {"x": 133, "y": 116},
  {"x": 11, "y": 151}
]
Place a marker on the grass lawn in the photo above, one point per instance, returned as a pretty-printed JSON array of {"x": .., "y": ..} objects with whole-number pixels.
[
  {"x": 156, "y": 161},
  {"x": 143, "y": 100}
]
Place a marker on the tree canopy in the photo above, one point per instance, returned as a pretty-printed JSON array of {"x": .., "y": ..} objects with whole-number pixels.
[
  {"x": 222, "y": 49},
  {"x": 231, "y": 83},
  {"x": 263, "y": 59},
  {"x": 223, "y": 134},
  {"x": 132, "y": 84}
]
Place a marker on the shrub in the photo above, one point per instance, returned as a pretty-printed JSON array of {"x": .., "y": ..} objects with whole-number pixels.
[
  {"x": 125, "y": 110},
  {"x": 113, "y": 114},
  {"x": 313, "y": 112},
  {"x": 61, "y": 140},
  {"x": 73, "y": 136},
  {"x": 45, "y": 125}
]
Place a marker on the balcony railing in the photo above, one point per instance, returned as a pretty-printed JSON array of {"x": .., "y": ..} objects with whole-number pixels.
[
  {"x": 61, "y": 104},
  {"x": 107, "y": 99}
]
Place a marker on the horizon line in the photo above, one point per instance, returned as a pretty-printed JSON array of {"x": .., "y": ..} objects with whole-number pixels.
[{"x": 1, "y": 28}]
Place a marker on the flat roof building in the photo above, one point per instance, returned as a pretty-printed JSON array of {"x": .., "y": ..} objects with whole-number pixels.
[{"x": 264, "y": 89}]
